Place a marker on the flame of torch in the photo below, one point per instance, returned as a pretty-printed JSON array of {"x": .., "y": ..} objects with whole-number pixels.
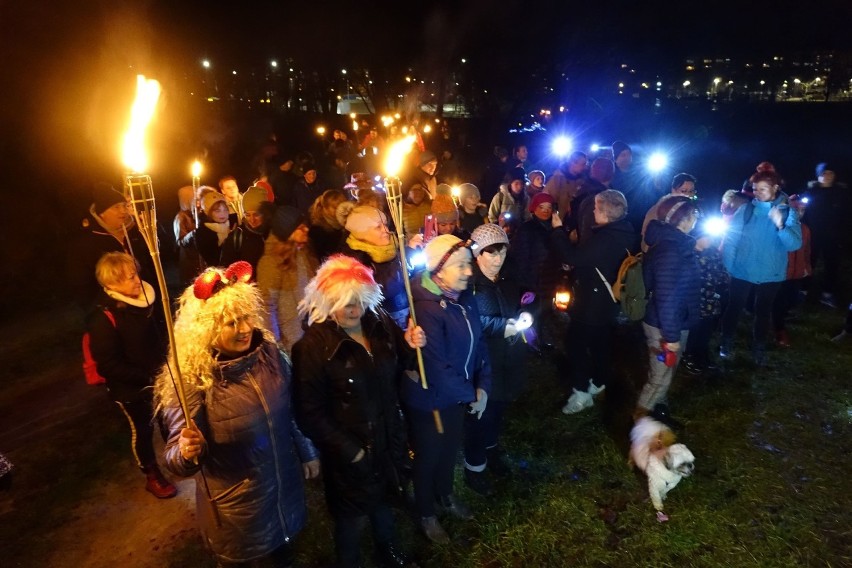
[
  {"x": 196, "y": 169},
  {"x": 396, "y": 156},
  {"x": 147, "y": 95}
]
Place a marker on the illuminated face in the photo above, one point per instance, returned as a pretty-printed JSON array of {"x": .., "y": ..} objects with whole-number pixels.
[
  {"x": 469, "y": 202},
  {"x": 254, "y": 219},
  {"x": 491, "y": 259},
  {"x": 310, "y": 176},
  {"x": 445, "y": 228},
  {"x": 517, "y": 186},
  {"x": 578, "y": 166},
  {"x": 827, "y": 178},
  {"x": 116, "y": 216},
  {"x": 219, "y": 212},
  {"x": 687, "y": 189},
  {"x": 537, "y": 181},
  {"x": 522, "y": 153},
  {"x": 764, "y": 191},
  {"x": 230, "y": 190},
  {"x": 377, "y": 235},
  {"x": 544, "y": 211},
  {"x": 624, "y": 159},
  {"x": 430, "y": 167},
  {"x": 457, "y": 270},
  {"x": 349, "y": 316},
  {"x": 235, "y": 336},
  {"x": 128, "y": 284},
  {"x": 600, "y": 215},
  {"x": 300, "y": 235}
]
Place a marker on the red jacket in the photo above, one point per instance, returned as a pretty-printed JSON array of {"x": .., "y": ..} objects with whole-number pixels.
[{"x": 799, "y": 262}]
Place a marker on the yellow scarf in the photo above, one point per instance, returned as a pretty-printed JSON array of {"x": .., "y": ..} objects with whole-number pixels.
[{"x": 379, "y": 253}]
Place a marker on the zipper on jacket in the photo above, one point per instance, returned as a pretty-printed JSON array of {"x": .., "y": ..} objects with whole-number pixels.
[
  {"x": 263, "y": 403},
  {"x": 470, "y": 349}
]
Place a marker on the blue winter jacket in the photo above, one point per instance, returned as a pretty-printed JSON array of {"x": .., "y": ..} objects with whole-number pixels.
[
  {"x": 673, "y": 280},
  {"x": 456, "y": 354},
  {"x": 754, "y": 249}
]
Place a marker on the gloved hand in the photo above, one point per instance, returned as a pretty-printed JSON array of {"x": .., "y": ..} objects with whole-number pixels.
[
  {"x": 478, "y": 407},
  {"x": 511, "y": 328},
  {"x": 525, "y": 321},
  {"x": 528, "y": 298}
]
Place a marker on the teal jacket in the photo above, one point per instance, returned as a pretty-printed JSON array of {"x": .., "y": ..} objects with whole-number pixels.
[{"x": 754, "y": 249}]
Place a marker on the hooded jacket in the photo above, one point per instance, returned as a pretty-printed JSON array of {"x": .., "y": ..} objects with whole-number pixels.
[
  {"x": 253, "y": 455},
  {"x": 456, "y": 355},
  {"x": 507, "y": 202},
  {"x": 754, "y": 249},
  {"x": 672, "y": 279}
]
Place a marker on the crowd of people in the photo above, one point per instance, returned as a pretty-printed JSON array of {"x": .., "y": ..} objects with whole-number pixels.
[{"x": 296, "y": 345}]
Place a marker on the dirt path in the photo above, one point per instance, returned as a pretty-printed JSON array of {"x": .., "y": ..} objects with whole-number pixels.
[{"x": 75, "y": 475}]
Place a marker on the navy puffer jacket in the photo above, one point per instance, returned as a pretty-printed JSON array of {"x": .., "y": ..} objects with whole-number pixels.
[{"x": 673, "y": 279}]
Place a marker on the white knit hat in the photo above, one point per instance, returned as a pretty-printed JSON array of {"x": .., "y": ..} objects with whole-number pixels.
[
  {"x": 437, "y": 248},
  {"x": 362, "y": 218}
]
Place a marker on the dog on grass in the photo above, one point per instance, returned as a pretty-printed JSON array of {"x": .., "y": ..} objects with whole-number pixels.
[{"x": 665, "y": 463}]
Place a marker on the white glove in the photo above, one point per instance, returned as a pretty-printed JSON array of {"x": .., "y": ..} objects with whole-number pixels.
[
  {"x": 511, "y": 328},
  {"x": 478, "y": 407},
  {"x": 525, "y": 321}
]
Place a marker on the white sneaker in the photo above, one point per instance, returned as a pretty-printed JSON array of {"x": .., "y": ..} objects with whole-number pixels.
[
  {"x": 578, "y": 402},
  {"x": 594, "y": 390}
]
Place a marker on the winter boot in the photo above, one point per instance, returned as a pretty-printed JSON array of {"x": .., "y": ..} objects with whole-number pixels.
[
  {"x": 497, "y": 463},
  {"x": 156, "y": 484},
  {"x": 578, "y": 402},
  {"x": 433, "y": 530},
  {"x": 478, "y": 482}
]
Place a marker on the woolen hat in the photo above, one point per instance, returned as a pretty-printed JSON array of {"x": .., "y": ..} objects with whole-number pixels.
[
  {"x": 469, "y": 190},
  {"x": 674, "y": 209},
  {"x": 285, "y": 220},
  {"x": 518, "y": 173},
  {"x": 105, "y": 196},
  {"x": 821, "y": 167},
  {"x": 487, "y": 235},
  {"x": 426, "y": 157},
  {"x": 362, "y": 218},
  {"x": 443, "y": 209},
  {"x": 209, "y": 199},
  {"x": 618, "y": 147},
  {"x": 437, "y": 248},
  {"x": 253, "y": 197},
  {"x": 540, "y": 198}
]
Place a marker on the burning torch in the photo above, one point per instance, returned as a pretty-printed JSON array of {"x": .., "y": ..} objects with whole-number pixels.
[
  {"x": 196, "y": 181},
  {"x": 393, "y": 187},
  {"x": 140, "y": 192}
]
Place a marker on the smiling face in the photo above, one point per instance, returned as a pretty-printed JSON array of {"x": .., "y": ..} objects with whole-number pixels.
[
  {"x": 544, "y": 211},
  {"x": 128, "y": 283},
  {"x": 349, "y": 316},
  {"x": 457, "y": 270},
  {"x": 310, "y": 176},
  {"x": 235, "y": 336},
  {"x": 254, "y": 219},
  {"x": 116, "y": 216}
]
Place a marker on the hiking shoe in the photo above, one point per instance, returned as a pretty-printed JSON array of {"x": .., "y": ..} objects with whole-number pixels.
[
  {"x": 157, "y": 485},
  {"x": 433, "y": 530},
  {"x": 692, "y": 366},
  {"x": 595, "y": 390},
  {"x": 497, "y": 463},
  {"x": 782, "y": 338},
  {"x": 478, "y": 482},
  {"x": 827, "y": 299},
  {"x": 456, "y": 508},
  {"x": 578, "y": 402}
]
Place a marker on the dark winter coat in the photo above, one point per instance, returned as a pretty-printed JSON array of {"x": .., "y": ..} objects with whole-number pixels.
[
  {"x": 583, "y": 209},
  {"x": 497, "y": 302},
  {"x": 90, "y": 245},
  {"x": 388, "y": 275},
  {"x": 129, "y": 352},
  {"x": 532, "y": 253},
  {"x": 252, "y": 460},
  {"x": 346, "y": 401},
  {"x": 207, "y": 243},
  {"x": 673, "y": 280},
  {"x": 455, "y": 356},
  {"x": 605, "y": 250},
  {"x": 304, "y": 195},
  {"x": 324, "y": 241},
  {"x": 245, "y": 244}
]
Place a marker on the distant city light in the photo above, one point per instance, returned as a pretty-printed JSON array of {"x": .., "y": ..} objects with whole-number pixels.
[
  {"x": 343, "y": 71},
  {"x": 659, "y": 83},
  {"x": 233, "y": 72},
  {"x": 561, "y": 145},
  {"x": 621, "y": 85},
  {"x": 205, "y": 64},
  {"x": 657, "y": 162},
  {"x": 464, "y": 60},
  {"x": 796, "y": 81},
  {"x": 762, "y": 82},
  {"x": 686, "y": 83},
  {"x": 427, "y": 128},
  {"x": 717, "y": 80},
  {"x": 321, "y": 130},
  {"x": 273, "y": 63},
  {"x": 595, "y": 147}
]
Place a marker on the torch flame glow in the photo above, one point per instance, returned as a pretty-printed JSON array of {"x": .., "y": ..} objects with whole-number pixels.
[
  {"x": 396, "y": 155},
  {"x": 147, "y": 94},
  {"x": 196, "y": 169}
]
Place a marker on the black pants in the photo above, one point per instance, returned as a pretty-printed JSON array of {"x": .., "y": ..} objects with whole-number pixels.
[
  {"x": 589, "y": 350},
  {"x": 140, "y": 415},
  {"x": 481, "y": 434},
  {"x": 434, "y": 454},
  {"x": 281, "y": 557},
  {"x": 347, "y": 534},
  {"x": 828, "y": 247},
  {"x": 764, "y": 296},
  {"x": 698, "y": 344},
  {"x": 787, "y": 298}
]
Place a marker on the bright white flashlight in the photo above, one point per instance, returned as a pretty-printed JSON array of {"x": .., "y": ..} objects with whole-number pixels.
[
  {"x": 805, "y": 200},
  {"x": 657, "y": 162},
  {"x": 417, "y": 259},
  {"x": 525, "y": 320},
  {"x": 595, "y": 147},
  {"x": 715, "y": 226},
  {"x": 561, "y": 145}
]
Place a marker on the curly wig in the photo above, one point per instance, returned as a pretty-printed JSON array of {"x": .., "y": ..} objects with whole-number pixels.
[{"x": 340, "y": 280}]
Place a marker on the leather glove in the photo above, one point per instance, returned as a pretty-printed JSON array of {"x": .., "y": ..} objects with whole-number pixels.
[{"x": 478, "y": 407}]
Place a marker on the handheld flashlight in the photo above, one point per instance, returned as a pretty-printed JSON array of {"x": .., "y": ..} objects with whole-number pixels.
[{"x": 657, "y": 162}]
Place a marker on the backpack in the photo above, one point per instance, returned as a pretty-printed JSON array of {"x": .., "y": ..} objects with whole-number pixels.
[
  {"x": 629, "y": 287},
  {"x": 90, "y": 366}
]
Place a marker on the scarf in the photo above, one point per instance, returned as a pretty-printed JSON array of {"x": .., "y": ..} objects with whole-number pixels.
[
  {"x": 143, "y": 300},
  {"x": 446, "y": 290},
  {"x": 221, "y": 230},
  {"x": 379, "y": 253}
]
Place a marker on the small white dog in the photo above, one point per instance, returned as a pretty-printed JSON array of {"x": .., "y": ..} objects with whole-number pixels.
[{"x": 652, "y": 449}]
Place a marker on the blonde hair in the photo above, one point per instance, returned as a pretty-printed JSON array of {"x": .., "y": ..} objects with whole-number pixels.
[
  {"x": 340, "y": 280},
  {"x": 110, "y": 268},
  {"x": 198, "y": 324}
]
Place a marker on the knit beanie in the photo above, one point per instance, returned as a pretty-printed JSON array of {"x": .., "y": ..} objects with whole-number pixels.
[
  {"x": 253, "y": 197},
  {"x": 285, "y": 220},
  {"x": 469, "y": 190},
  {"x": 487, "y": 235},
  {"x": 266, "y": 186},
  {"x": 209, "y": 199},
  {"x": 362, "y": 218},
  {"x": 821, "y": 167},
  {"x": 426, "y": 157},
  {"x": 602, "y": 170},
  {"x": 674, "y": 209},
  {"x": 437, "y": 248},
  {"x": 443, "y": 209},
  {"x": 618, "y": 147},
  {"x": 540, "y": 198},
  {"x": 518, "y": 173},
  {"x": 105, "y": 196}
]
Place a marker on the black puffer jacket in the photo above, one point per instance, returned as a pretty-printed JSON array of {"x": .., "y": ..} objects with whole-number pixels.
[
  {"x": 346, "y": 401},
  {"x": 387, "y": 274},
  {"x": 497, "y": 302},
  {"x": 605, "y": 249}
]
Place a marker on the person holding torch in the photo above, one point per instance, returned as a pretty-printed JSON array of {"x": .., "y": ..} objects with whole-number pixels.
[{"x": 458, "y": 370}]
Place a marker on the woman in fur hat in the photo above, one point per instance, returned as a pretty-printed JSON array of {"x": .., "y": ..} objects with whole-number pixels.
[{"x": 250, "y": 499}]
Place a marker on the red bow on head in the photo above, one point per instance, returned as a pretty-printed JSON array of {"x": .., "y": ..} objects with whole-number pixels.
[{"x": 214, "y": 279}]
